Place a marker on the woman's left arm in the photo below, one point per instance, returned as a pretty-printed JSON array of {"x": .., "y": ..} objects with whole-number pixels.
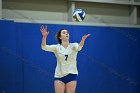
[{"x": 83, "y": 40}]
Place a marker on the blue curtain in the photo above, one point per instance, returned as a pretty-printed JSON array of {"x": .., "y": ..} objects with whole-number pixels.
[{"x": 108, "y": 62}]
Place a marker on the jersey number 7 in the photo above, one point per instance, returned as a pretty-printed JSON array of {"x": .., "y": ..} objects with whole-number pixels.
[{"x": 66, "y": 57}]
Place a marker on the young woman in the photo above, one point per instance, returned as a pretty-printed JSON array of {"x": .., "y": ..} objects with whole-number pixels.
[{"x": 66, "y": 53}]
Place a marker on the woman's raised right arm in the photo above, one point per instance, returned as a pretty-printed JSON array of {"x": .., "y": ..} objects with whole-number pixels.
[
  {"x": 44, "y": 35},
  {"x": 44, "y": 46}
]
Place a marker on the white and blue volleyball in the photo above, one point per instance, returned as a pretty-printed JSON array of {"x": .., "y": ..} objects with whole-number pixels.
[{"x": 79, "y": 15}]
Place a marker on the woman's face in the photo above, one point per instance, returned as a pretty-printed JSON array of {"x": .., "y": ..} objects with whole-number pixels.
[{"x": 64, "y": 35}]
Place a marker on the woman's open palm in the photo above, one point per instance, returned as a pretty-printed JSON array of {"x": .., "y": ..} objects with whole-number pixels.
[
  {"x": 44, "y": 30},
  {"x": 86, "y": 36}
]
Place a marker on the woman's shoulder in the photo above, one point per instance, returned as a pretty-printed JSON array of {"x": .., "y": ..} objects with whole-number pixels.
[
  {"x": 74, "y": 44},
  {"x": 54, "y": 45}
]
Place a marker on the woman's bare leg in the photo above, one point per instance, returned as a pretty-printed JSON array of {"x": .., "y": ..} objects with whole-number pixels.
[
  {"x": 59, "y": 86},
  {"x": 71, "y": 87}
]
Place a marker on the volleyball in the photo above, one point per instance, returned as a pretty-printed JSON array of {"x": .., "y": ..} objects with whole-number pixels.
[{"x": 79, "y": 15}]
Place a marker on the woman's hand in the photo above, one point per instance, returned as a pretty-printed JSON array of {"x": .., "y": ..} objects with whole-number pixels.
[
  {"x": 44, "y": 31},
  {"x": 86, "y": 36},
  {"x": 83, "y": 40}
]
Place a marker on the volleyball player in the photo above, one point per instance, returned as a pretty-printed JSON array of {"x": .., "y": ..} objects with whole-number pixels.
[{"x": 66, "y": 53}]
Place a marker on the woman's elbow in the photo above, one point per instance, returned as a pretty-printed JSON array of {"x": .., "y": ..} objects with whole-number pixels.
[{"x": 42, "y": 47}]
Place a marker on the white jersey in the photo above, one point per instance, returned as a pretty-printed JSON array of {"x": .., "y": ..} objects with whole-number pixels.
[{"x": 66, "y": 58}]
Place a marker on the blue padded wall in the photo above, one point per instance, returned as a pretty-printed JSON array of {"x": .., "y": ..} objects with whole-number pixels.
[{"x": 108, "y": 62}]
